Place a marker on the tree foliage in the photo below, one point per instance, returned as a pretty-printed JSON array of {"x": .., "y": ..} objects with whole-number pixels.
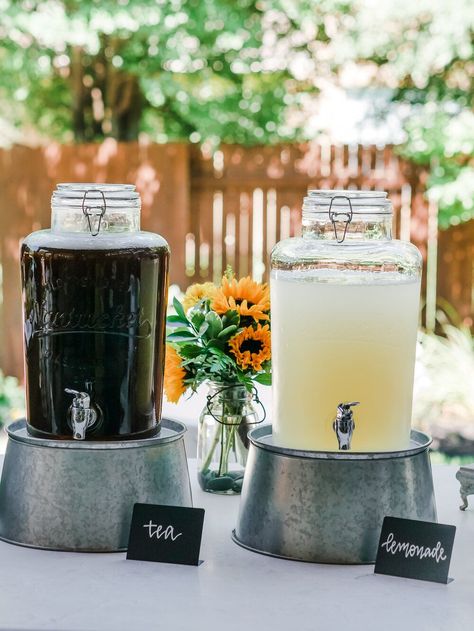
[
  {"x": 177, "y": 69},
  {"x": 423, "y": 51},
  {"x": 240, "y": 71}
]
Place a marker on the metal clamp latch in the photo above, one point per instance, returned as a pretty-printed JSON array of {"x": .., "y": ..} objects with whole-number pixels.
[
  {"x": 345, "y": 216},
  {"x": 90, "y": 211},
  {"x": 81, "y": 414}
]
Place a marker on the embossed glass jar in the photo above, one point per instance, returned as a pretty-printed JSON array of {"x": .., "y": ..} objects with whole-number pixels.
[
  {"x": 345, "y": 300},
  {"x": 94, "y": 298}
]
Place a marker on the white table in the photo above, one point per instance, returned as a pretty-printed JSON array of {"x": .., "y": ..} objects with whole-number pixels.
[{"x": 234, "y": 589}]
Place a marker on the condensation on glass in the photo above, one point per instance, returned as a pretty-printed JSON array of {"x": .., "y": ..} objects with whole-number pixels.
[
  {"x": 345, "y": 301},
  {"x": 94, "y": 298}
]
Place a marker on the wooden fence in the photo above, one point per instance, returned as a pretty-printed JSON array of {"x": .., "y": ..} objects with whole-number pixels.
[
  {"x": 215, "y": 208},
  {"x": 455, "y": 278}
]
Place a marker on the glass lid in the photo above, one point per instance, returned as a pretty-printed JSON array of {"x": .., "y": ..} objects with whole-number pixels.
[
  {"x": 77, "y": 194},
  {"x": 321, "y": 200},
  {"x": 95, "y": 208}
]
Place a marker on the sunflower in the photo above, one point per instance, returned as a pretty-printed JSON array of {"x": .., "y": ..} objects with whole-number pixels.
[
  {"x": 174, "y": 375},
  {"x": 251, "y": 347},
  {"x": 245, "y": 296},
  {"x": 198, "y": 292}
]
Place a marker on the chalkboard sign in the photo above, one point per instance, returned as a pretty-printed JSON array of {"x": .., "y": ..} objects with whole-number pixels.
[
  {"x": 166, "y": 534},
  {"x": 415, "y": 549}
]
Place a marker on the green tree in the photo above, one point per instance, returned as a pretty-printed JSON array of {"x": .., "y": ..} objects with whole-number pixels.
[
  {"x": 240, "y": 71},
  {"x": 423, "y": 51},
  {"x": 177, "y": 69}
]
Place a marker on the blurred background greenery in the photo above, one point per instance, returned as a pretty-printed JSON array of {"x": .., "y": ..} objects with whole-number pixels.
[
  {"x": 12, "y": 404},
  {"x": 248, "y": 72},
  {"x": 261, "y": 72}
]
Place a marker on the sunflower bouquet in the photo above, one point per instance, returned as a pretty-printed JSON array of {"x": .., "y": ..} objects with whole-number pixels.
[{"x": 220, "y": 335}]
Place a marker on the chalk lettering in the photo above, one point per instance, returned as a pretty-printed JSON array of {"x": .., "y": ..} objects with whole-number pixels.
[
  {"x": 410, "y": 550},
  {"x": 159, "y": 531}
]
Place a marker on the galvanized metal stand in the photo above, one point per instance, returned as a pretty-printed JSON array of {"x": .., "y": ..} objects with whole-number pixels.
[
  {"x": 328, "y": 507},
  {"x": 79, "y": 495}
]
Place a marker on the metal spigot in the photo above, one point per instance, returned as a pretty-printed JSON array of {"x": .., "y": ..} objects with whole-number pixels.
[
  {"x": 344, "y": 425},
  {"x": 82, "y": 415}
]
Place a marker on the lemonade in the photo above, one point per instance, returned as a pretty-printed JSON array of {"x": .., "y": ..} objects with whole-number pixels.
[{"x": 338, "y": 340}]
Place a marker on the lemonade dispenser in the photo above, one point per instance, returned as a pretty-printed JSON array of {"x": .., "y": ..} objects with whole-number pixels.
[
  {"x": 340, "y": 455},
  {"x": 345, "y": 303}
]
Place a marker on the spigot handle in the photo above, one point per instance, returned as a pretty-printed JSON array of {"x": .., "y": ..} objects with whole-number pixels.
[
  {"x": 81, "y": 399},
  {"x": 82, "y": 415},
  {"x": 344, "y": 425}
]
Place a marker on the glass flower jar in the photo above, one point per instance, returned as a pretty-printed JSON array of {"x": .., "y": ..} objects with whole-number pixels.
[
  {"x": 345, "y": 303},
  {"x": 94, "y": 298},
  {"x": 224, "y": 423}
]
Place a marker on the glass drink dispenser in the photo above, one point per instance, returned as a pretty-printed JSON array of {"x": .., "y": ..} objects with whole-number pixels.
[
  {"x": 345, "y": 301},
  {"x": 94, "y": 298}
]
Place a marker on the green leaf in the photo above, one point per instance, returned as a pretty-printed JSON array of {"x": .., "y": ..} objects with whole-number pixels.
[
  {"x": 214, "y": 350},
  {"x": 190, "y": 351},
  {"x": 197, "y": 318},
  {"x": 179, "y": 308},
  {"x": 227, "y": 332},
  {"x": 203, "y": 328},
  {"x": 182, "y": 334},
  {"x": 264, "y": 378},
  {"x": 216, "y": 344},
  {"x": 215, "y": 324},
  {"x": 176, "y": 319},
  {"x": 231, "y": 318},
  {"x": 182, "y": 329}
]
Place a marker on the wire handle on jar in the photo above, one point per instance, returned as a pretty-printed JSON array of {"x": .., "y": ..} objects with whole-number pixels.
[
  {"x": 255, "y": 397},
  {"x": 87, "y": 211}
]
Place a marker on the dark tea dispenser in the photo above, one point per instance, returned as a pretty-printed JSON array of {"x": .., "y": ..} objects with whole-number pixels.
[
  {"x": 94, "y": 297},
  {"x": 94, "y": 302}
]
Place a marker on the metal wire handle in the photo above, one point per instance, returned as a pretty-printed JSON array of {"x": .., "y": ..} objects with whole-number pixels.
[
  {"x": 333, "y": 216},
  {"x": 255, "y": 397},
  {"x": 87, "y": 211}
]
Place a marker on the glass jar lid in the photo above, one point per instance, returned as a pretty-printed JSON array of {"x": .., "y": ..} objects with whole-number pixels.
[
  {"x": 95, "y": 208},
  {"x": 358, "y": 202},
  {"x": 343, "y": 212},
  {"x": 77, "y": 194}
]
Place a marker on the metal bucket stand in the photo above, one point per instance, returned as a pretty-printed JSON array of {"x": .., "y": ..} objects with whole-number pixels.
[
  {"x": 79, "y": 496},
  {"x": 328, "y": 507}
]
